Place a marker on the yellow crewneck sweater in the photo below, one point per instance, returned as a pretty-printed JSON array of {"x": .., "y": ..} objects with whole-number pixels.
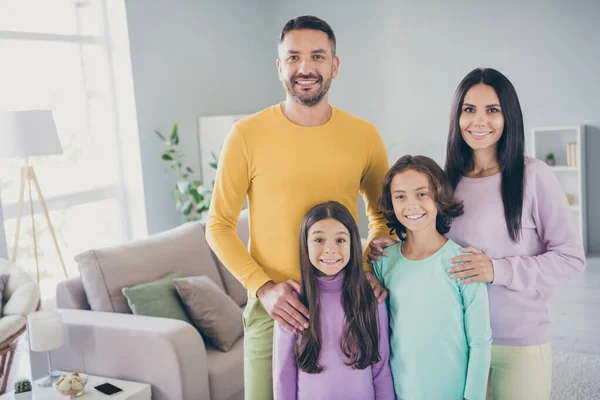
[{"x": 285, "y": 169}]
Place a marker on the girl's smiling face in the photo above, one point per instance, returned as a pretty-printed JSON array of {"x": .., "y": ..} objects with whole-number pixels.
[
  {"x": 413, "y": 202},
  {"x": 329, "y": 246}
]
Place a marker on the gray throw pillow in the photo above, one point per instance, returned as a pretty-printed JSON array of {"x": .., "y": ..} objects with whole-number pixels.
[
  {"x": 214, "y": 313},
  {"x": 156, "y": 299},
  {"x": 3, "y": 282}
]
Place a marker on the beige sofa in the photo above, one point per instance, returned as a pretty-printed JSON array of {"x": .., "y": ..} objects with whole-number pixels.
[{"x": 103, "y": 337}]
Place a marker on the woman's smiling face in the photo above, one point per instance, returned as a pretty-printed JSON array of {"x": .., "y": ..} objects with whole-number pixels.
[{"x": 481, "y": 119}]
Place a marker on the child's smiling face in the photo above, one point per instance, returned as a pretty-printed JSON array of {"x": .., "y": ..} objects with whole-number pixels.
[
  {"x": 328, "y": 246},
  {"x": 413, "y": 201}
]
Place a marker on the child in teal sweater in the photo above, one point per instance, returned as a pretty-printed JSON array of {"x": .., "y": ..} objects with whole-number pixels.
[{"x": 440, "y": 336}]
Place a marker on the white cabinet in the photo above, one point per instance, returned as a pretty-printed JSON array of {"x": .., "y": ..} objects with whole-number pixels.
[{"x": 567, "y": 145}]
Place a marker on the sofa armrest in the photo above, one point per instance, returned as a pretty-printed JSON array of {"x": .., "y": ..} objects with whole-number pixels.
[
  {"x": 70, "y": 294},
  {"x": 166, "y": 353}
]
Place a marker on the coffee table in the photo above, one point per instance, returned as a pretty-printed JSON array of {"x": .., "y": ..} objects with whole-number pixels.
[{"x": 131, "y": 391}]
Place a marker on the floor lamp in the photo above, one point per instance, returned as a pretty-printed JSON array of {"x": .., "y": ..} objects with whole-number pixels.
[{"x": 25, "y": 134}]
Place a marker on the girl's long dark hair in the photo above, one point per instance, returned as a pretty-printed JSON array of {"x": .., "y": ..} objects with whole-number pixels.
[
  {"x": 510, "y": 150},
  {"x": 360, "y": 337}
]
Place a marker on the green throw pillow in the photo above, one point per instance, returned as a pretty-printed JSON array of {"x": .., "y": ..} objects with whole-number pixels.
[{"x": 157, "y": 299}]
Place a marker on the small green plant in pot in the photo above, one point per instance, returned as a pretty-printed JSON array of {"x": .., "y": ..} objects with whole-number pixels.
[
  {"x": 192, "y": 197},
  {"x": 23, "y": 389}
]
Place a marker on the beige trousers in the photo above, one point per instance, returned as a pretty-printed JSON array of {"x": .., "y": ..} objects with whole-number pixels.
[{"x": 520, "y": 373}]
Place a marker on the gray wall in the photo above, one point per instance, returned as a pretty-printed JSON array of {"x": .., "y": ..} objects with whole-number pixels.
[
  {"x": 401, "y": 62},
  {"x": 193, "y": 58}
]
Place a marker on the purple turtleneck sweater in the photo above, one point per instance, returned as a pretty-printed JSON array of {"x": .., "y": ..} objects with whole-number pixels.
[
  {"x": 549, "y": 252},
  {"x": 337, "y": 380}
]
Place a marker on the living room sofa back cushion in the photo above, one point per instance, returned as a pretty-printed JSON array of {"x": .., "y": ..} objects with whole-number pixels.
[
  {"x": 233, "y": 287},
  {"x": 105, "y": 272}
]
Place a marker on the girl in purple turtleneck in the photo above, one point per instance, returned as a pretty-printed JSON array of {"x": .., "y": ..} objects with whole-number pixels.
[{"x": 344, "y": 354}]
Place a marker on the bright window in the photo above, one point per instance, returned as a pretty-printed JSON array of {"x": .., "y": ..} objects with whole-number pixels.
[{"x": 58, "y": 55}]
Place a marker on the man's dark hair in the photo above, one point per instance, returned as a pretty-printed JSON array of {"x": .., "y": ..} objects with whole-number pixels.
[{"x": 309, "y": 22}]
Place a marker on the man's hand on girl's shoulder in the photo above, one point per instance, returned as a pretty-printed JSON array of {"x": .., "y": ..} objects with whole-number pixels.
[
  {"x": 377, "y": 246},
  {"x": 283, "y": 305}
]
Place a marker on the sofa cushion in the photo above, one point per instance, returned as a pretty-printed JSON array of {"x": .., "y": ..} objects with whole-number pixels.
[
  {"x": 213, "y": 312},
  {"x": 105, "y": 272},
  {"x": 225, "y": 371},
  {"x": 157, "y": 299}
]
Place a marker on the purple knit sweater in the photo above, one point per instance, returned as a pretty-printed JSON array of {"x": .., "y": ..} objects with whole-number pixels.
[
  {"x": 337, "y": 380},
  {"x": 549, "y": 252}
]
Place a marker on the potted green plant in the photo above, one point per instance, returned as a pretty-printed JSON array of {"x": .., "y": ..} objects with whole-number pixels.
[
  {"x": 192, "y": 197},
  {"x": 23, "y": 389},
  {"x": 550, "y": 160}
]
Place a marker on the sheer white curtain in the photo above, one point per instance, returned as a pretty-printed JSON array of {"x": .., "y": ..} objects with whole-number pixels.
[{"x": 60, "y": 54}]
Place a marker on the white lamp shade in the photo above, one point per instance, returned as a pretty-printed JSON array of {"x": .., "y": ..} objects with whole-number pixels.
[
  {"x": 28, "y": 133},
  {"x": 45, "y": 330}
]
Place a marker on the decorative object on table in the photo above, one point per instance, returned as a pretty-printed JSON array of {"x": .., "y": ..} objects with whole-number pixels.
[
  {"x": 550, "y": 160},
  {"x": 71, "y": 385},
  {"x": 572, "y": 154},
  {"x": 192, "y": 196},
  {"x": 571, "y": 199},
  {"x": 45, "y": 334},
  {"x": 25, "y": 134},
  {"x": 23, "y": 389}
]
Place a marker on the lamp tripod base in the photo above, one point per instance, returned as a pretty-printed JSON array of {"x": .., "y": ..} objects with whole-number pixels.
[{"x": 47, "y": 381}]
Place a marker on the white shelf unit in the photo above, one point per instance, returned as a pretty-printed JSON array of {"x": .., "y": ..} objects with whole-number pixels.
[{"x": 555, "y": 139}]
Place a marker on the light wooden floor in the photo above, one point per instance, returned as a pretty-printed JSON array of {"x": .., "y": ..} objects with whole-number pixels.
[
  {"x": 575, "y": 312},
  {"x": 574, "y": 309}
]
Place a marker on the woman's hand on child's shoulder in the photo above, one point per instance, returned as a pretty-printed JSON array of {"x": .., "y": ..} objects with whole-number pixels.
[{"x": 474, "y": 267}]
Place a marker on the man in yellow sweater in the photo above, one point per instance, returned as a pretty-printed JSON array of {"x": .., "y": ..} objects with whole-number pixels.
[{"x": 286, "y": 159}]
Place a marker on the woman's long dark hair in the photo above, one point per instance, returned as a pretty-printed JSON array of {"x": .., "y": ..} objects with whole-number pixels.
[
  {"x": 360, "y": 337},
  {"x": 510, "y": 150}
]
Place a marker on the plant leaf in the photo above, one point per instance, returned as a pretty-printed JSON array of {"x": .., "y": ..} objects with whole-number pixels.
[
  {"x": 160, "y": 135},
  {"x": 167, "y": 157},
  {"x": 173, "y": 133},
  {"x": 183, "y": 187},
  {"x": 197, "y": 196},
  {"x": 213, "y": 165},
  {"x": 189, "y": 170},
  {"x": 186, "y": 208}
]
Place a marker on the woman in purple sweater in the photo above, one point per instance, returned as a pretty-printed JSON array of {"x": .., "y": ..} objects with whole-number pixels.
[
  {"x": 344, "y": 354},
  {"x": 517, "y": 231}
]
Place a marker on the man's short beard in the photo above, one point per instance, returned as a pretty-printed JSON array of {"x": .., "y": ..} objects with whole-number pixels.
[{"x": 312, "y": 101}]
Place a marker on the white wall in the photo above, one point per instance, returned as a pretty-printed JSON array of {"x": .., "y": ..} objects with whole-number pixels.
[
  {"x": 193, "y": 58},
  {"x": 401, "y": 62}
]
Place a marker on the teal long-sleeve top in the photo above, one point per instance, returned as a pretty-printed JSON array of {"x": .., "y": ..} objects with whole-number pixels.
[{"x": 440, "y": 335}]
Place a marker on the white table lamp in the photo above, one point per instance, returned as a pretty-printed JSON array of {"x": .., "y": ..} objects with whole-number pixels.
[
  {"x": 45, "y": 334},
  {"x": 25, "y": 134}
]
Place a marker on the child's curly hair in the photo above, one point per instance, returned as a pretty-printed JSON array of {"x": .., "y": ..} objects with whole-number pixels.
[{"x": 448, "y": 207}]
